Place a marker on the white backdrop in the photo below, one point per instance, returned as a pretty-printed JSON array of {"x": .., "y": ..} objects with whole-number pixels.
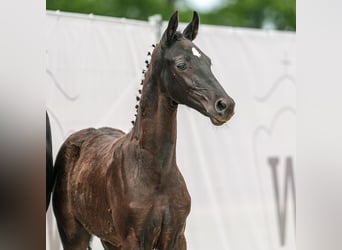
[{"x": 240, "y": 176}]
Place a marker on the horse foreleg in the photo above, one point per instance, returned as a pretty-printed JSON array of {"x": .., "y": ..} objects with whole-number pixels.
[
  {"x": 135, "y": 241},
  {"x": 170, "y": 241},
  {"x": 181, "y": 243},
  {"x": 178, "y": 244},
  {"x": 107, "y": 246}
]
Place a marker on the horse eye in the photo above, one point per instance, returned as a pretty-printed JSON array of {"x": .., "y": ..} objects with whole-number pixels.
[{"x": 181, "y": 66}]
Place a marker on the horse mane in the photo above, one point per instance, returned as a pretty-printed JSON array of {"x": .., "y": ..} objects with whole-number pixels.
[
  {"x": 138, "y": 97},
  {"x": 177, "y": 36}
]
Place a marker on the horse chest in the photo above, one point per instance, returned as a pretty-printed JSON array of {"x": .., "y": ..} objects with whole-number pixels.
[
  {"x": 159, "y": 214},
  {"x": 164, "y": 203}
]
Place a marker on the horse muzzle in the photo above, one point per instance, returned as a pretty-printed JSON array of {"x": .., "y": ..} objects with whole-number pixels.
[{"x": 223, "y": 111}]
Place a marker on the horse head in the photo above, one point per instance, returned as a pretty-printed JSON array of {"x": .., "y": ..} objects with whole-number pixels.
[{"x": 186, "y": 73}]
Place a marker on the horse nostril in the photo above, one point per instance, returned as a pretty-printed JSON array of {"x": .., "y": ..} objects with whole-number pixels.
[{"x": 221, "y": 105}]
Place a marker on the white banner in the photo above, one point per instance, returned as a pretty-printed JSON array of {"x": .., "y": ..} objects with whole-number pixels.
[{"x": 240, "y": 176}]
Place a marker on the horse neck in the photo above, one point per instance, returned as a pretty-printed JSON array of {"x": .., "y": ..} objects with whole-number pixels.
[{"x": 155, "y": 127}]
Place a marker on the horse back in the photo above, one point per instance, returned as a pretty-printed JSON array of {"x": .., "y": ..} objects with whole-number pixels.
[{"x": 86, "y": 140}]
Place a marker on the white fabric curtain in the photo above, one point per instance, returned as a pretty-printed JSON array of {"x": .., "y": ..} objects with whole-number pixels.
[{"x": 237, "y": 174}]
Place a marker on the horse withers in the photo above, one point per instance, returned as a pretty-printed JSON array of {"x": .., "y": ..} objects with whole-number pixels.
[{"x": 127, "y": 188}]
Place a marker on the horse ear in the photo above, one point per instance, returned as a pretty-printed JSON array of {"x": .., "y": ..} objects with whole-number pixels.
[
  {"x": 191, "y": 30},
  {"x": 169, "y": 33}
]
